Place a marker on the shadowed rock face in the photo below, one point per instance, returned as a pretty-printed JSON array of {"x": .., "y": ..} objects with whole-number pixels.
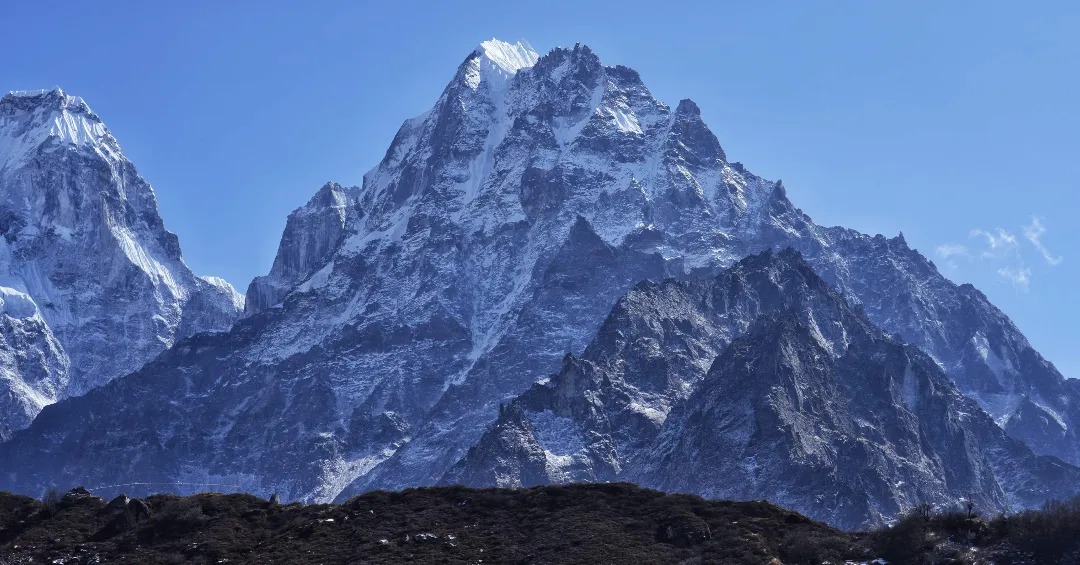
[
  {"x": 495, "y": 236},
  {"x": 761, "y": 383},
  {"x": 92, "y": 285}
]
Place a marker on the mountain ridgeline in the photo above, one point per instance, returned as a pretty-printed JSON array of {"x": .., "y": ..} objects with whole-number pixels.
[{"x": 551, "y": 276}]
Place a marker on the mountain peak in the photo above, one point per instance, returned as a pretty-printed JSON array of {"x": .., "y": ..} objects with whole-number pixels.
[
  {"x": 96, "y": 282},
  {"x": 29, "y": 118},
  {"x": 331, "y": 194},
  {"x": 17, "y": 102},
  {"x": 44, "y": 96},
  {"x": 688, "y": 107},
  {"x": 510, "y": 57},
  {"x": 495, "y": 62}
]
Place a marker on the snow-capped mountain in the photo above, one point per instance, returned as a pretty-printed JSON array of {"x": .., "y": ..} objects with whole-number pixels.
[
  {"x": 92, "y": 285},
  {"x": 495, "y": 236},
  {"x": 761, "y": 383}
]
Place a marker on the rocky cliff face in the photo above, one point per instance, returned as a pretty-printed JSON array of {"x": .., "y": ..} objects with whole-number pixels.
[
  {"x": 92, "y": 285},
  {"x": 495, "y": 236},
  {"x": 857, "y": 439},
  {"x": 973, "y": 341},
  {"x": 312, "y": 233},
  {"x": 761, "y": 383}
]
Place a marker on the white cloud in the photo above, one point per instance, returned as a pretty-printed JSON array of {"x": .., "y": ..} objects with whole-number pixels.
[
  {"x": 1020, "y": 277},
  {"x": 1034, "y": 232},
  {"x": 999, "y": 241},
  {"x": 950, "y": 250},
  {"x": 1000, "y": 250}
]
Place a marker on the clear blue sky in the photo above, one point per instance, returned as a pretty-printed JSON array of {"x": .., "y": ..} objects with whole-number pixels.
[{"x": 914, "y": 116}]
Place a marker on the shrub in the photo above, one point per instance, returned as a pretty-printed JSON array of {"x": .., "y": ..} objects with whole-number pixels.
[
  {"x": 179, "y": 517},
  {"x": 800, "y": 547},
  {"x": 50, "y": 502},
  {"x": 1051, "y": 535},
  {"x": 907, "y": 540},
  {"x": 51, "y": 498}
]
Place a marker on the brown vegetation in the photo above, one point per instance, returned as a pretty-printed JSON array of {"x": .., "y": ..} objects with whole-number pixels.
[{"x": 604, "y": 523}]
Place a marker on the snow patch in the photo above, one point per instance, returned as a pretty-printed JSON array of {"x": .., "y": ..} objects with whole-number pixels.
[
  {"x": 496, "y": 62},
  {"x": 561, "y": 440},
  {"x": 657, "y": 412},
  {"x": 317, "y": 280},
  {"x": 625, "y": 120},
  {"x": 16, "y": 304},
  {"x": 993, "y": 361},
  {"x": 229, "y": 290},
  {"x": 1052, "y": 413}
]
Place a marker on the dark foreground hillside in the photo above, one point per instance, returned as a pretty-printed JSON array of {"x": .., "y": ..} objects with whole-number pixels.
[{"x": 610, "y": 523}]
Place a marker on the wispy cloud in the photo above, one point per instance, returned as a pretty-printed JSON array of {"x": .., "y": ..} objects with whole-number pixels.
[
  {"x": 1001, "y": 250},
  {"x": 1020, "y": 277},
  {"x": 1034, "y": 232},
  {"x": 999, "y": 241},
  {"x": 950, "y": 250}
]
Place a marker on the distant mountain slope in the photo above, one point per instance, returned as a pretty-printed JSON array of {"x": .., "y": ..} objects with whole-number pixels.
[
  {"x": 762, "y": 383},
  {"x": 92, "y": 285}
]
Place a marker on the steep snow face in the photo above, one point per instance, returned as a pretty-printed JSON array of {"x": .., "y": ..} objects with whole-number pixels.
[
  {"x": 494, "y": 236},
  {"x": 93, "y": 284},
  {"x": 499, "y": 61}
]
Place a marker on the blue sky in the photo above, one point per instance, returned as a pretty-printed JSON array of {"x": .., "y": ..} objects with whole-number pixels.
[{"x": 954, "y": 123}]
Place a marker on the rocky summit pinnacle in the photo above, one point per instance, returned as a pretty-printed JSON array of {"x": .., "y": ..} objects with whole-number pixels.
[
  {"x": 92, "y": 285},
  {"x": 495, "y": 236}
]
